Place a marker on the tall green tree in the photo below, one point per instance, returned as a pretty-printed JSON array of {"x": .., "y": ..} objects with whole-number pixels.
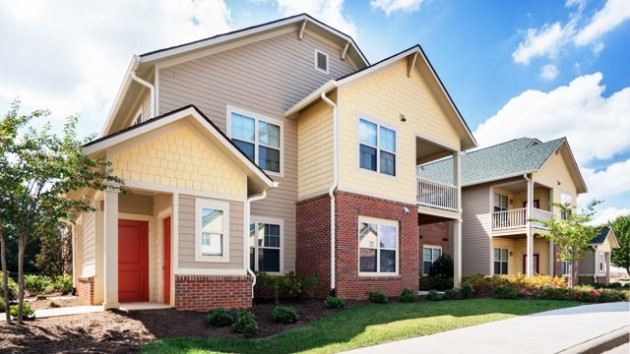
[
  {"x": 571, "y": 234},
  {"x": 47, "y": 167},
  {"x": 621, "y": 256}
]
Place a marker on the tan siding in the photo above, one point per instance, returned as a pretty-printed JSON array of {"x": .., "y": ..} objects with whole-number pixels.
[
  {"x": 186, "y": 236},
  {"x": 161, "y": 202},
  {"x": 381, "y": 98},
  {"x": 476, "y": 255},
  {"x": 135, "y": 204},
  {"x": 553, "y": 171},
  {"x": 587, "y": 264},
  {"x": 89, "y": 244},
  {"x": 315, "y": 165}
]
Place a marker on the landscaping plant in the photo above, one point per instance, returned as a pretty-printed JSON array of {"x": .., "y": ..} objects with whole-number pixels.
[
  {"x": 467, "y": 291},
  {"x": 220, "y": 317},
  {"x": 27, "y": 312},
  {"x": 245, "y": 324},
  {"x": 377, "y": 297},
  {"x": 434, "y": 296},
  {"x": 36, "y": 284},
  {"x": 408, "y": 295},
  {"x": 309, "y": 285},
  {"x": 621, "y": 256},
  {"x": 334, "y": 302},
  {"x": 284, "y": 315}
]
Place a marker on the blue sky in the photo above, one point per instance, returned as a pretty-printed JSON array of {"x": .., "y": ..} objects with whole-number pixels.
[{"x": 535, "y": 68}]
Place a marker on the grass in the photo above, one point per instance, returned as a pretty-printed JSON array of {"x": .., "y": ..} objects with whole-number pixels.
[{"x": 366, "y": 325}]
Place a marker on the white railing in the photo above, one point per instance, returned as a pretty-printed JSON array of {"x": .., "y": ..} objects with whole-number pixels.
[
  {"x": 515, "y": 218},
  {"x": 437, "y": 195}
]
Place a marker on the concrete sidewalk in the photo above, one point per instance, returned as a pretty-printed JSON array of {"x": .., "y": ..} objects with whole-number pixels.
[{"x": 571, "y": 330}]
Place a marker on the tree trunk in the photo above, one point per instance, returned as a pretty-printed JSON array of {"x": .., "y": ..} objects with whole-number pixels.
[
  {"x": 574, "y": 274},
  {"x": 21, "y": 251},
  {"x": 5, "y": 276}
]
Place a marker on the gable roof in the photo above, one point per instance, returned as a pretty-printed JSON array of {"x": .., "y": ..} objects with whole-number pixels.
[
  {"x": 509, "y": 159},
  {"x": 604, "y": 233},
  {"x": 460, "y": 125},
  {"x": 192, "y": 113}
]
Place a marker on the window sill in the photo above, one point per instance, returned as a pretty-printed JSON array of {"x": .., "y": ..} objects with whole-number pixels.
[{"x": 369, "y": 276}]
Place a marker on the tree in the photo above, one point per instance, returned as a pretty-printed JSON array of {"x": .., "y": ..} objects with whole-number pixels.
[
  {"x": 621, "y": 255},
  {"x": 55, "y": 256},
  {"x": 45, "y": 168},
  {"x": 571, "y": 234}
]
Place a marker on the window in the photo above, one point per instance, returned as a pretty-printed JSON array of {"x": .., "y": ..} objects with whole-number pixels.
[
  {"x": 378, "y": 246},
  {"x": 265, "y": 246},
  {"x": 564, "y": 267},
  {"x": 258, "y": 138},
  {"x": 377, "y": 148},
  {"x": 566, "y": 199},
  {"x": 500, "y": 261},
  {"x": 211, "y": 231},
  {"x": 500, "y": 202},
  {"x": 430, "y": 254},
  {"x": 321, "y": 61},
  {"x": 601, "y": 262}
]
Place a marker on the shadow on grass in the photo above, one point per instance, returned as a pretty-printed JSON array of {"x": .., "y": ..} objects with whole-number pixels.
[{"x": 355, "y": 327}]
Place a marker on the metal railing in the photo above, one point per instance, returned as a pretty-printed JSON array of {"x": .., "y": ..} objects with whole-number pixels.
[
  {"x": 437, "y": 195},
  {"x": 515, "y": 218}
]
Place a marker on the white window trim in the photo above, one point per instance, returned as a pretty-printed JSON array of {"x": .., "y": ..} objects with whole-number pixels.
[
  {"x": 258, "y": 117},
  {"x": 507, "y": 260},
  {"x": 377, "y": 147},
  {"x": 266, "y": 220},
  {"x": 568, "y": 268},
  {"x": 564, "y": 194},
  {"x": 327, "y": 71},
  {"x": 213, "y": 204},
  {"x": 378, "y": 221}
]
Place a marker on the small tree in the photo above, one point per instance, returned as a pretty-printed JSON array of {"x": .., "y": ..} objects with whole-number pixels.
[
  {"x": 621, "y": 256},
  {"x": 571, "y": 234},
  {"x": 55, "y": 256}
]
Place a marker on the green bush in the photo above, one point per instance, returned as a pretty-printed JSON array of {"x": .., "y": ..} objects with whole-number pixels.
[
  {"x": 408, "y": 295},
  {"x": 507, "y": 291},
  {"x": 551, "y": 293},
  {"x": 36, "y": 284},
  {"x": 334, "y": 302},
  {"x": 452, "y": 294},
  {"x": 286, "y": 284},
  {"x": 13, "y": 288},
  {"x": 63, "y": 284},
  {"x": 613, "y": 296},
  {"x": 2, "y": 307},
  {"x": 467, "y": 291},
  {"x": 442, "y": 267},
  {"x": 615, "y": 285},
  {"x": 27, "y": 311},
  {"x": 309, "y": 285},
  {"x": 54, "y": 304},
  {"x": 284, "y": 315},
  {"x": 245, "y": 324},
  {"x": 434, "y": 296},
  {"x": 377, "y": 297},
  {"x": 435, "y": 283},
  {"x": 220, "y": 317}
]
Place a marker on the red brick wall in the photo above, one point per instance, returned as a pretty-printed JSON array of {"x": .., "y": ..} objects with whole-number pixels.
[
  {"x": 435, "y": 234},
  {"x": 206, "y": 292},
  {"x": 348, "y": 209},
  {"x": 313, "y": 241},
  {"x": 85, "y": 288}
]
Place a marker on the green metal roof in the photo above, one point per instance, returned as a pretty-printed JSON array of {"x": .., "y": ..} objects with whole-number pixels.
[{"x": 507, "y": 159}]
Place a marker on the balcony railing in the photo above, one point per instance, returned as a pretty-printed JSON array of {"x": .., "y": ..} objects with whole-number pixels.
[
  {"x": 437, "y": 195},
  {"x": 515, "y": 218}
]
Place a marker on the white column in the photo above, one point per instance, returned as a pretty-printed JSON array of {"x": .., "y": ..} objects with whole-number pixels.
[
  {"x": 110, "y": 250},
  {"x": 529, "y": 264},
  {"x": 552, "y": 263},
  {"x": 457, "y": 232}
]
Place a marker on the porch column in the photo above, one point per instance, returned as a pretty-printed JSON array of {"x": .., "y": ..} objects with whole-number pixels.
[
  {"x": 529, "y": 264},
  {"x": 457, "y": 232},
  {"x": 110, "y": 250},
  {"x": 552, "y": 258}
]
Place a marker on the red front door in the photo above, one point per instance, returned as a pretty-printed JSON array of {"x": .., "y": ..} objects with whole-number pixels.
[
  {"x": 536, "y": 265},
  {"x": 167, "y": 260},
  {"x": 133, "y": 261}
]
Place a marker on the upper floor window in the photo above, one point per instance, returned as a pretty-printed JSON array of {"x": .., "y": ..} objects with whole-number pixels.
[
  {"x": 211, "y": 231},
  {"x": 377, "y": 148},
  {"x": 567, "y": 200},
  {"x": 321, "y": 61},
  {"x": 378, "y": 246},
  {"x": 259, "y": 138}
]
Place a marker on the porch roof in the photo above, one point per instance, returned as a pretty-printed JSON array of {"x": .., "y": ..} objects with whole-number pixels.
[{"x": 603, "y": 234}]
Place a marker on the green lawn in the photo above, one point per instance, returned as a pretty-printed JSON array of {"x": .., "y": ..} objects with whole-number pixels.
[{"x": 365, "y": 326}]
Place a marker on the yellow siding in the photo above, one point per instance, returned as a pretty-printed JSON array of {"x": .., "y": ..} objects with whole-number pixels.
[
  {"x": 519, "y": 248},
  {"x": 180, "y": 159},
  {"x": 553, "y": 171},
  {"x": 315, "y": 165},
  {"x": 381, "y": 98}
]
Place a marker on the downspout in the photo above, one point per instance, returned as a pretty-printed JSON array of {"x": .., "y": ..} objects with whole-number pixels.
[
  {"x": 246, "y": 264},
  {"x": 150, "y": 87},
  {"x": 331, "y": 194},
  {"x": 74, "y": 251}
]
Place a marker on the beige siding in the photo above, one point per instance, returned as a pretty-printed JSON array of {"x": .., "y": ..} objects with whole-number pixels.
[
  {"x": 587, "y": 264},
  {"x": 89, "y": 244},
  {"x": 553, "y": 171},
  {"x": 315, "y": 165},
  {"x": 381, "y": 98},
  {"x": 186, "y": 246},
  {"x": 161, "y": 202},
  {"x": 476, "y": 255},
  {"x": 135, "y": 204},
  {"x": 518, "y": 248}
]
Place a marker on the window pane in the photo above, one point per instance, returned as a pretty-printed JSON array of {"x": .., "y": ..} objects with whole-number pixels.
[
  {"x": 269, "y": 134},
  {"x": 497, "y": 267},
  {"x": 388, "y": 163},
  {"x": 426, "y": 255},
  {"x": 388, "y": 140},
  {"x": 211, "y": 220},
  {"x": 504, "y": 269},
  {"x": 426, "y": 268},
  {"x": 497, "y": 254},
  {"x": 252, "y": 258},
  {"x": 272, "y": 235},
  {"x": 368, "y": 157},
  {"x": 367, "y": 260},
  {"x": 268, "y": 260},
  {"x": 388, "y": 261},
  {"x": 368, "y": 235},
  {"x": 246, "y": 148},
  {"x": 388, "y": 237},
  {"x": 252, "y": 244},
  {"x": 436, "y": 254},
  {"x": 211, "y": 244},
  {"x": 269, "y": 159},
  {"x": 243, "y": 127},
  {"x": 367, "y": 132},
  {"x": 504, "y": 255}
]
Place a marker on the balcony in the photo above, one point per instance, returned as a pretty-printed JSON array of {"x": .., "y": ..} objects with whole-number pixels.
[
  {"x": 437, "y": 195},
  {"x": 516, "y": 218}
]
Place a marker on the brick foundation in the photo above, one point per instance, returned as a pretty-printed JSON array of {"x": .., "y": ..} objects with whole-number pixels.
[
  {"x": 85, "y": 289},
  {"x": 205, "y": 292},
  {"x": 435, "y": 234}
]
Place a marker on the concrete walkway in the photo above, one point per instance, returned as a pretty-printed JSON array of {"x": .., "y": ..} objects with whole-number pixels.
[
  {"x": 79, "y": 310},
  {"x": 571, "y": 330}
]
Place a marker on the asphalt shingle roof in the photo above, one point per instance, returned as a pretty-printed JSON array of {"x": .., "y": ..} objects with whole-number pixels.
[
  {"x": 502, "y": 160},
  {"x": 602, "y": 236}
]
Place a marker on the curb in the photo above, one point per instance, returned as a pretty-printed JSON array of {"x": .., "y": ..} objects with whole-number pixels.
[{"x": 601, "y": 343}]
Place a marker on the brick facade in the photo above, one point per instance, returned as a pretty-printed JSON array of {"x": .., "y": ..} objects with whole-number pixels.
[
  {"x": 435, "y": 234},
  {"x": 85, "y": 289},
  {"x": 207, "y": 292}
]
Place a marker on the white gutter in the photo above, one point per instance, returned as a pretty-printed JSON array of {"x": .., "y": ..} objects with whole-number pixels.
[
  {"x": 331, "y": 193},
  {"x": 329, "y": 85},
  {"x": 246, "y": 264},
  {"x": 150, "y": 87},
  {"x": 122, "y": 91}
]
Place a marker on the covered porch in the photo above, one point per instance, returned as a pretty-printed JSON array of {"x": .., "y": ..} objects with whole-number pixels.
[{"x": 509, "y": 255}]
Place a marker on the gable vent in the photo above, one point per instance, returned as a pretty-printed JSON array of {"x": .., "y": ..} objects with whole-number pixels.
[{"x": 321, "y": 61}]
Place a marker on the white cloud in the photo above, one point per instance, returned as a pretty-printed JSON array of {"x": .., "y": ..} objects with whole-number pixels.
[
  {"x": 609, "y": 182},
  {"x": 607, "y": 215},
  {"x": 549, "y": 72},
  {"x": 389, "y": 6},
  {"x": 327, "y": 11},
  {"x": 545, "y": 41},
  {"x": 70, "y": 56},
  {"x": 605, "y": 20}
]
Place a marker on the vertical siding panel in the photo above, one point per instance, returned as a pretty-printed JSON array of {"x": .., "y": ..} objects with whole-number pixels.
[{"x": 476, "y": 233}]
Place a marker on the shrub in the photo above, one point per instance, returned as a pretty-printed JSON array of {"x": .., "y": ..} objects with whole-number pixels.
[
  {"x": 615, "y": 285},
  {"x": 13, "y": 288},
  {"x": 309, "y": 285},
  {"x": 442, "y": 267},
  {"x": 27, "y": 311},
  {"x": 334, "y": 302},
  {"x": 434, "y": 296},
  {"x": 284, "y": 315},
  {"x": 507, "y": 291},
  {"x": 613, "y": 296},
  {"x": 551, "y": 293},
  {"x": 597, "y": 285},
  {"x": 36, "y": 284},
  {"x": 452, "y": 294},
  {"x": 408, "y": 295},
  {"x": 63, "y": 284},
  {"x": 54, "y": 304},
  {"x": 245, "y": 324},
  {"x": 435, "y": 283},
  {"x": 288, "y": 283},
  {"x": 220, "y": 317},
  {"x": 479, "y": 282},
  {"x": 377, "y": 297},
  {"x": 467, "y": 291},
  {"x": 2, "y": 307}
]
